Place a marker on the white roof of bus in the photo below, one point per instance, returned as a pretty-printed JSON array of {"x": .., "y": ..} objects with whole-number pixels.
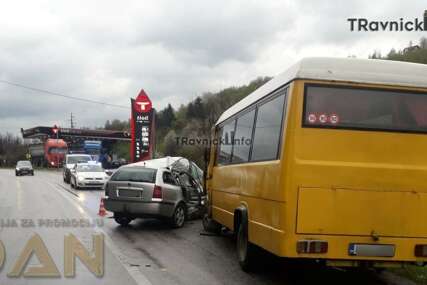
[{"x": 339, "y": 69}]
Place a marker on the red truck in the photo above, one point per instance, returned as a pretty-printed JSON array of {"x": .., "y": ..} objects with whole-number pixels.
[{"x": 51, "y": 153}]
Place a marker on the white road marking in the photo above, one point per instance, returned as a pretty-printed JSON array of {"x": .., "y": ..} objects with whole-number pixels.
[
  {"x": 18, "y": 194},
  {"x": 135, "y": 273}
]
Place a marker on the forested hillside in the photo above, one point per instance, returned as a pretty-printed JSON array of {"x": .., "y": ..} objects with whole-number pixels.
[
  {"x": 195, "y": 120},
  {"x": 11, "y": 150},
  {"x": 413, "y": 53}
]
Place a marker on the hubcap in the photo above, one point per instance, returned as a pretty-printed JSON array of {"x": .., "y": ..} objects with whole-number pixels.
[{"x": 179, "y": 216}]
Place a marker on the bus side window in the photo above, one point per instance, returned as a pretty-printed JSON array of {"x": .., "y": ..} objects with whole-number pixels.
[
  {"x": 225, "y": 144},
  {"x": 268, "y": 128},
  {"x": 243, "y": 137}
]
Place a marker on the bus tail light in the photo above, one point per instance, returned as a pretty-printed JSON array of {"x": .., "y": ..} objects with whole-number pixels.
[
  {"x": 312, "y": 246},
  {"x": 421, "y": 250}
]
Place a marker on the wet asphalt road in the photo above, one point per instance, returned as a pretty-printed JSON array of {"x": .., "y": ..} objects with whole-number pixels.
[{"x": 147, "y": 251}]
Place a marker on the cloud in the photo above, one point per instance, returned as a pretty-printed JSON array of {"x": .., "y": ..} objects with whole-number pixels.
[{"x": 175, "y": 50}]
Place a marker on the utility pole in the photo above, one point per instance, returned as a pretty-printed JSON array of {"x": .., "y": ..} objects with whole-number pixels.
[{"x": 72, "y": 125}]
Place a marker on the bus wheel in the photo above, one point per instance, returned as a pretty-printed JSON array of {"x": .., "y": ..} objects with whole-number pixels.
[{"x": 246, "y": 251}]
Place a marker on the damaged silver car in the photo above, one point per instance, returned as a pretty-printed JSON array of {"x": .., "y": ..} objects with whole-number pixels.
[{"x": 167, "y": 188}]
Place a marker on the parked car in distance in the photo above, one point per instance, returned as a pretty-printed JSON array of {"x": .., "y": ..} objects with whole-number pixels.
[
  {"x": 115, "y": 164},
  {"x": 153, "y": 189},
  {"x": 88, "y": 175},
  {"x": 70, "y": 162},
  {"x": 24, "y": 167},
  {"x": 118, "y": 163}
]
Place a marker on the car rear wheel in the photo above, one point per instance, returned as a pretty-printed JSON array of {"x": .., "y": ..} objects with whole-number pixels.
[
  {"x": 246, "y": 251},
  {"x": 122, "y": 220},
  {"x": 178, "y": 218}
]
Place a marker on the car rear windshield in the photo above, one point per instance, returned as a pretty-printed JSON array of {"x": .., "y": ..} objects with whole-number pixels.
[
  {"x": 89, "y": 168},
  {"x": 24, "y": 163},
  {"x": 135, "y": 174},
  {"x": 78, "y": 159},
  {"x": 365, "y": 109}
]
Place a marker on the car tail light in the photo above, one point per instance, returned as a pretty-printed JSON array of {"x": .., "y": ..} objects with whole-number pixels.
[
  {"x": 312, "y": 246},
  {"x": 157, "y": 193},
  {"x": 421, "y": 250}
]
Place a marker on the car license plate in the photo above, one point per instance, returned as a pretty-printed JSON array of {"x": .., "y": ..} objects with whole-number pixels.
[{"x": 130, "y": 193}]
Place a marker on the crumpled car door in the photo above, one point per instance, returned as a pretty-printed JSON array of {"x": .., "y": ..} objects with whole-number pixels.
[{"x": 192, "y": 191}]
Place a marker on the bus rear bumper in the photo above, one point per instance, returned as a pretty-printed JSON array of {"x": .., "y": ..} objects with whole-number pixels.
[
  {"x": 341, "y": 250},
  {"x": 362, "y": 263}
]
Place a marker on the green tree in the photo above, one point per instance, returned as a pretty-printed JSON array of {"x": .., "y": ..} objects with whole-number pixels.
[
  {"x": 169, "y": 144},
  {"x": 165, "y": 118},
  {"x": 12, "y": 149},
  {"x": 117, "y": 125},
  {"x": 413, "y": 53}
]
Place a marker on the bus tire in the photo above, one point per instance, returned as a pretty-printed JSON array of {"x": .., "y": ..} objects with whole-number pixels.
[{"x": 246, "y": 251}]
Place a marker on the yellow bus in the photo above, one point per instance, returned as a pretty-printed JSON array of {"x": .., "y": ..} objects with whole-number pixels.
[{"x": 326, "y": 161}]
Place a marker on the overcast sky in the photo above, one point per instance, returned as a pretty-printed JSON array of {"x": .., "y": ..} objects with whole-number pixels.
[{"x": 174, "y": 50}]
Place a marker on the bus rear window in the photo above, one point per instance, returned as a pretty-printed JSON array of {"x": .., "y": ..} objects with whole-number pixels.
[{"x": 364, "y": 109}]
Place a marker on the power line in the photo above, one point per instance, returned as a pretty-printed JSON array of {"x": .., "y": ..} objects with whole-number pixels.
[{"x": 61, "y": 95}]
